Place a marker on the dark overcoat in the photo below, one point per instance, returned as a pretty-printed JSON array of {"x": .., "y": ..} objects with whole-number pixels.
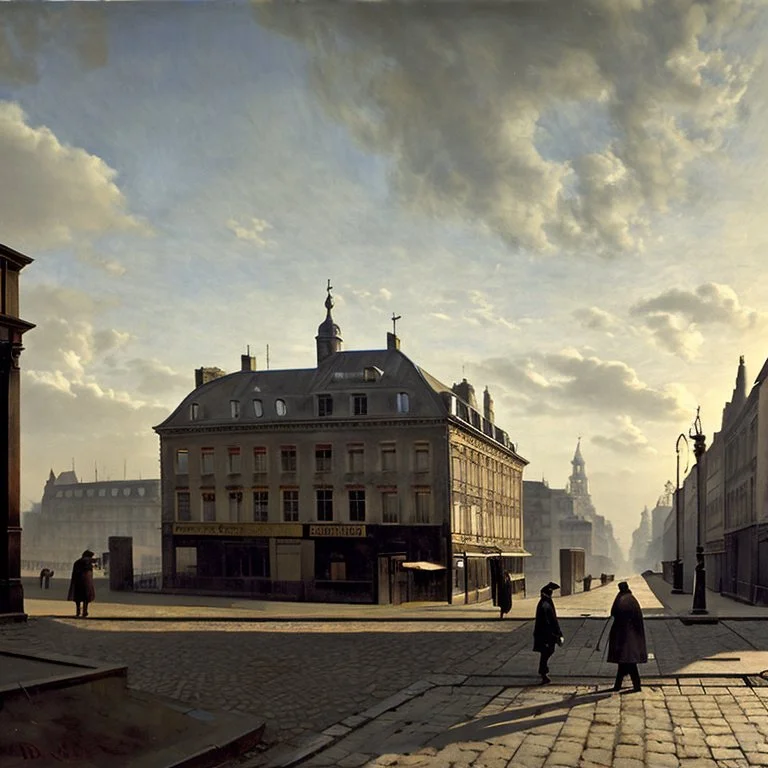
[
  {"x": 505, "y": 594},
  {"x": 626, "y": 642},
  {"x": 546, "y": 630},
  {"x": 81, "y": 589}
]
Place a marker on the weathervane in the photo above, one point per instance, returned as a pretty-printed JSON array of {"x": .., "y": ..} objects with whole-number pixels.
[{"x": 395, "y": 318}]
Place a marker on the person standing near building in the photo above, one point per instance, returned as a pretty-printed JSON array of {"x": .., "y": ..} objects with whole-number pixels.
[
  {"x": 546, "y": 630},
  {"x": 505, "y": 595},
  {"x": 81, "y": 589},
  {"x": 626, "y": 641}
]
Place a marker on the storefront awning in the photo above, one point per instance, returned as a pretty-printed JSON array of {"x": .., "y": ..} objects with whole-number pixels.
[
  {"x": 516, "y": 553},
  {"x": 475, "y": 550},
  {"x": 423, "y": 566}
]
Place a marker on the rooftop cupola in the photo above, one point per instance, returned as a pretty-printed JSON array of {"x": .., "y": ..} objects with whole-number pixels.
[{"x": 328, "y": 333}]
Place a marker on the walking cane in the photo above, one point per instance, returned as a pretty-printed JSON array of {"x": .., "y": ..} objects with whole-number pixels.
[{"x": 600, "y": 639}]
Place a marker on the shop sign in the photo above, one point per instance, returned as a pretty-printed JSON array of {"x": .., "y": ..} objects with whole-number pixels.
[
  {"x": 288, "y": 530},
  {"x": 340, "y": 531}
]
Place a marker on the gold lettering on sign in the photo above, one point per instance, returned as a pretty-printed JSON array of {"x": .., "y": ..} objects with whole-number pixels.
[
  {"x": 345, "y": 531},
  {"x": 238, "y": 529}
]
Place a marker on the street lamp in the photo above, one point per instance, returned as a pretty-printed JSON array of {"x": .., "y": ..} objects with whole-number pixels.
[
  {"x": 700, "y": 581},
  {"x": 677, "y": 573}
]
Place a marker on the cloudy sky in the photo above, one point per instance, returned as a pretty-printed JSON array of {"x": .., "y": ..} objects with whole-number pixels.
[{"x": 564, "y": 200}]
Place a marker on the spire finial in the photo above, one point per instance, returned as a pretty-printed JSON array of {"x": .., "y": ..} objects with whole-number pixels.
[
  {"x": 395, "y": 318},
  {"x": 329, "y": 298}
]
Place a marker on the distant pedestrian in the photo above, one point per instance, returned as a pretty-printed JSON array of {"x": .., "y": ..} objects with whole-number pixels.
[
  {"x": 626, "y": 641},
  {"x": 546, "y": 630},
  {"x": 44, "y": 574},
  {"x": 81, "y": 589},
  {"x": 505, "y": 595}
]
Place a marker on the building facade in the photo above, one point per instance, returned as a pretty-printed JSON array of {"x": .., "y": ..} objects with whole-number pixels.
[
  {"x": 362, "y": 479},
  {"x": 12, "y": 329},
  {"x": 544, "y": 511},
  {"x": 74, "y": 516}
]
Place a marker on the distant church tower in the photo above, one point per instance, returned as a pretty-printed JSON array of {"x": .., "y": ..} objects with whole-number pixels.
[
  {"x": 328, "y": 333},
  {"x": 577, "y": 482},
  {"x": 578, "y": 485}
]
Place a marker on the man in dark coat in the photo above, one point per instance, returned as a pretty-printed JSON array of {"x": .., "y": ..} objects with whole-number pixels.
[
  {"x": 626, "y": 642},
  {"x": 546, "y": 630},
  {"x": 505, "y": 595},
  {"x": 81, "y": 589}
]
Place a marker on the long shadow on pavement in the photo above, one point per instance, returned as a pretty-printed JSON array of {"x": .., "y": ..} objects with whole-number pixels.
[{"x": 513, "y": 720}]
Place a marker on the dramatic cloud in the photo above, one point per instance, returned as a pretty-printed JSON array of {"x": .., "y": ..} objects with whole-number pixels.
[
  {"x": 53, "y": 193},
  {"x": 628, "y": 438},
  {"x": 251, "y": 231},
  {"x": 596, "y": 319},
  {"x": 26, "y": 31},
  {"x": 556, "y": 382},
  {"x": 709, "y": 303},
  {"x": 672, "y": 318},
  {"x": 551, "y": 126}
]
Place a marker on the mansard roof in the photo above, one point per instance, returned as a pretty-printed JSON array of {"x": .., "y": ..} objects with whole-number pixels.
[{"x": 349, "y": 372}]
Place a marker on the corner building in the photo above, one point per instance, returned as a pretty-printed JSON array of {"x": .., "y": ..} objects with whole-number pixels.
[{"x": 363, "y": 479}]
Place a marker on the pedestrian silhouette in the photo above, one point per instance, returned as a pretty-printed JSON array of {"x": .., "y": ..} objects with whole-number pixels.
[
  {"x": 546, "y": 630},
  {"x": 81, "y": 589},
  {"x": 626, "y": 641},
  {"x": 505, "y": 595}
]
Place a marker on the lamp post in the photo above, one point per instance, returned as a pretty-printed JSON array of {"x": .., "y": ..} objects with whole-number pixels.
[
  {"x": 677, "y": 574},
  {"x": 700, "y": 581}
]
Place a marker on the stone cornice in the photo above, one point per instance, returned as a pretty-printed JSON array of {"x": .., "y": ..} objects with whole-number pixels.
[{"x": 298, "y": 426}]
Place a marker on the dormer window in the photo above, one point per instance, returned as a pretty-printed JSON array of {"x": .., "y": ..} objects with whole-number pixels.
[
  {"x": 258, "y": 409},
  {"x": 403, "y": 402},
  {"x": 234, "y": 409},
  {"x": 372, "y": 373},
  {"x": 280, "y": 407},
  {"x": 194, "y": 412},
  {"x": 324, "y": 405}
]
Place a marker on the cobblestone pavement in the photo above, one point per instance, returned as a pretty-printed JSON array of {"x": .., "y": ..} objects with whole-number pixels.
[
  {"x": 693, "y": 724},
  {"x": 304, "y": 677}
]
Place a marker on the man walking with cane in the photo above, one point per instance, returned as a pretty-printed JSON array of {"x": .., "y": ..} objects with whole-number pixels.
[
  {"x": 626, "y": 641},
  {"x": 546, "y": 630}
]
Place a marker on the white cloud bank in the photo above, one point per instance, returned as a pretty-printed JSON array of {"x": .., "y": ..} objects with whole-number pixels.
[{"x": 52, "y": 193}]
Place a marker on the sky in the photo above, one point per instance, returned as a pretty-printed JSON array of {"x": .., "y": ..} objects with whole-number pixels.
[{"x": 563, "y": 201}]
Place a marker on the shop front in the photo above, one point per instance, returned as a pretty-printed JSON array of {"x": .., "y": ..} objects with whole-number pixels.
[
  {"x": 319, "y": 562},
  {"x": 411, "y": 563},
  {"x": 478, "y": 570}
]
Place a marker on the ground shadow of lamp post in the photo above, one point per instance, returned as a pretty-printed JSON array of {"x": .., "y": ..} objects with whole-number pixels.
[
  {"x": 700, "y": 580},
  {"x": 677, "y": 573}
]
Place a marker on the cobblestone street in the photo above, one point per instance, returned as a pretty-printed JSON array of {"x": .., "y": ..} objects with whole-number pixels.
[
  {"x": 304, "y": 677},
  {"x": 694, "y": 724}
]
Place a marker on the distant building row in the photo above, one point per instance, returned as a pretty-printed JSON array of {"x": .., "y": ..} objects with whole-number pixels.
[{"x": 735, "y": 500}]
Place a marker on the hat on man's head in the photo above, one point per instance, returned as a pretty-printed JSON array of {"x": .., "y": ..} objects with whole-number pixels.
[
  {"x": 551, "y": 587},
  {"x": 623, "y": 586},
  {"x": 87, "y": 553}
]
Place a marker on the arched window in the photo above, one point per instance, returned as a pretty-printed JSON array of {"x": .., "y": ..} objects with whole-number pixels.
[
  {"x": 234, "y": 409},
  {"x": 403, "y": 402},
  {"x": 280, "y": 407},
  {"x": 258, "y": 409},
  {"x": 194, "y": 412}
]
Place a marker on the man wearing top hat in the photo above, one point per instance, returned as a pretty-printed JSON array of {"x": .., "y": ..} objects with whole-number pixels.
[
  {"x": 546, "y": 630},
  {"x": 81, "y": 589}
]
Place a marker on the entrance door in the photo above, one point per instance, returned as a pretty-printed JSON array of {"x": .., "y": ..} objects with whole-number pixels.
[{"x": 385, "y": 595}]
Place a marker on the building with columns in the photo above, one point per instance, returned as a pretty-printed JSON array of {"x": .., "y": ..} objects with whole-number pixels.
[
  {"x": 362, "y": 479},
  {"x": 12, "y": 329}
]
